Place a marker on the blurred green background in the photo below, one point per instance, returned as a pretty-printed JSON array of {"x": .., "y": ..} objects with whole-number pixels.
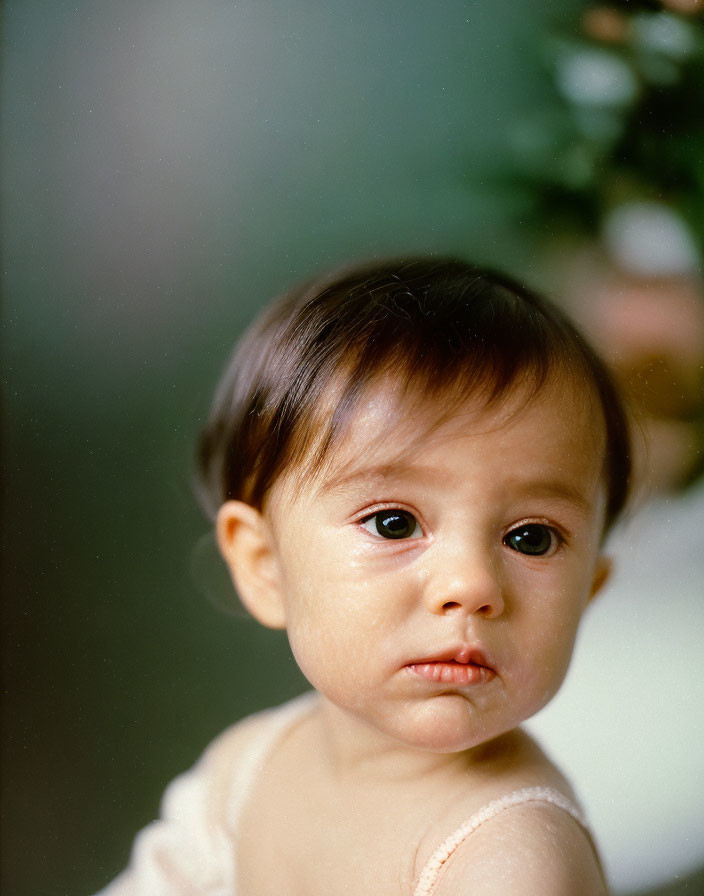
[{"x": 168, "y": 166}]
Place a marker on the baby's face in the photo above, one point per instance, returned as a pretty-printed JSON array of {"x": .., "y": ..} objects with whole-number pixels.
[{"x": 433, "y": 578}]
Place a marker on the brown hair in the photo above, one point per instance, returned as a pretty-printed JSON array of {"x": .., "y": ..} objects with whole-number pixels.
[{"x": 439, "y": 327}]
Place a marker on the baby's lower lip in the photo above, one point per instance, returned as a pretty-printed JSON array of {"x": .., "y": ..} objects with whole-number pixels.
[{"x": 450, "y": 672}]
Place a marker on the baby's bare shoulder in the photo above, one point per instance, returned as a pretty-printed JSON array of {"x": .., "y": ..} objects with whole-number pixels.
[
  {"x": 532, "y": 849},
  {"x": 237, "y": 740},
  {"x": 224, "y": 767}
]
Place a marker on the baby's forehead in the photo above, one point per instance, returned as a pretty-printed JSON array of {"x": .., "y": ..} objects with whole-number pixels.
[{"x": 392, "y": 428}]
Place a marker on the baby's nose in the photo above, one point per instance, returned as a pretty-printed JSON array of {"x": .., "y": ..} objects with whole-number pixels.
[{"x": 465, "y": 584}]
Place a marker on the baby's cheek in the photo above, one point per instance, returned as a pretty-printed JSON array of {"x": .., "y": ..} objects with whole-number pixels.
[
  {"x": 309, "y": 648},
  {"x": 552, "y": 663}
]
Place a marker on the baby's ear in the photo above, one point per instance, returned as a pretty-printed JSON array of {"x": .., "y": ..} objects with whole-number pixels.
[
  {"x": 246, "y": 546},
  {"x": 602, "y": 574}
]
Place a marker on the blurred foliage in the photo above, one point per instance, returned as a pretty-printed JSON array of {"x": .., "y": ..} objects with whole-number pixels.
[{"x": 624, "y": 121}]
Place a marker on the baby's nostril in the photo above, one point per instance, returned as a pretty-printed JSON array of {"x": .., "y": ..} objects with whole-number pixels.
[{"x": 451, "y": 605}]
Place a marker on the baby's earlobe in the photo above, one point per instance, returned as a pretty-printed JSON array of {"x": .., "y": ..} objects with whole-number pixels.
[{"x": 246, "y": 547}]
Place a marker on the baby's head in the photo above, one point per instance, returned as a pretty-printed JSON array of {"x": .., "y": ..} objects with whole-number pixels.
[{"x": 413, "y": 466}]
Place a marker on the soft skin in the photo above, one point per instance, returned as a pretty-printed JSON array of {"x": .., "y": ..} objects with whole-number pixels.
[{"x": 361, "y": 609}]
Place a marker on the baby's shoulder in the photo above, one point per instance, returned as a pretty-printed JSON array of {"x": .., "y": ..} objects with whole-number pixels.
[
  {"x": 229, "y": 764},
  {"x": 237, "y": 741},
  {"x": 232, "y": 757},
  {"x": 523, "y": 832},
  {"x": 532, "y": 848}
]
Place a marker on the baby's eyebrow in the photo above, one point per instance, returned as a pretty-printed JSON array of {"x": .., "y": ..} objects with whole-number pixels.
[
  {"x": 560, "y": 491},
  {"x": 379, "y": 473}
]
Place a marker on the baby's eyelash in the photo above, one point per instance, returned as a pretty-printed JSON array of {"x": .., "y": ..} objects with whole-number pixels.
[{"x": 560, "y": 530}]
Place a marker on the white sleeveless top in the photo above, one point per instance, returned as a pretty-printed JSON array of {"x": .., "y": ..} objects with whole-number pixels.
[{"x": 190, "y": 850}]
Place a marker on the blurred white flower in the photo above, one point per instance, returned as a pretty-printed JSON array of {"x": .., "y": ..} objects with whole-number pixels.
[
  {"x": 596, "y": 77},
  {"x": 650, "y": 239},
  {"x": 664, "y": 33}
]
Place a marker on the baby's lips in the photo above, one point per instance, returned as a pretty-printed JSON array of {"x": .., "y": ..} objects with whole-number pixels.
[
  {"x": 447, "y": 673},
  {"x": 464, "y": 654}
]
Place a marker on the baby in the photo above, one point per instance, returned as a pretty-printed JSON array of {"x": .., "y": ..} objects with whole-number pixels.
[{"x": 412, "y": 467}]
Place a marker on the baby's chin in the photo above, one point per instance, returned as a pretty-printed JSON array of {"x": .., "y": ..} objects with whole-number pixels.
[{"x": 447, "y": 723}]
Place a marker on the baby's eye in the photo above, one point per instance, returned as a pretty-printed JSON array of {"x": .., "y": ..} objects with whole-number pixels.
[
  {"x": 393, "y": 524},
  {"x": 532, "y": 538}
]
